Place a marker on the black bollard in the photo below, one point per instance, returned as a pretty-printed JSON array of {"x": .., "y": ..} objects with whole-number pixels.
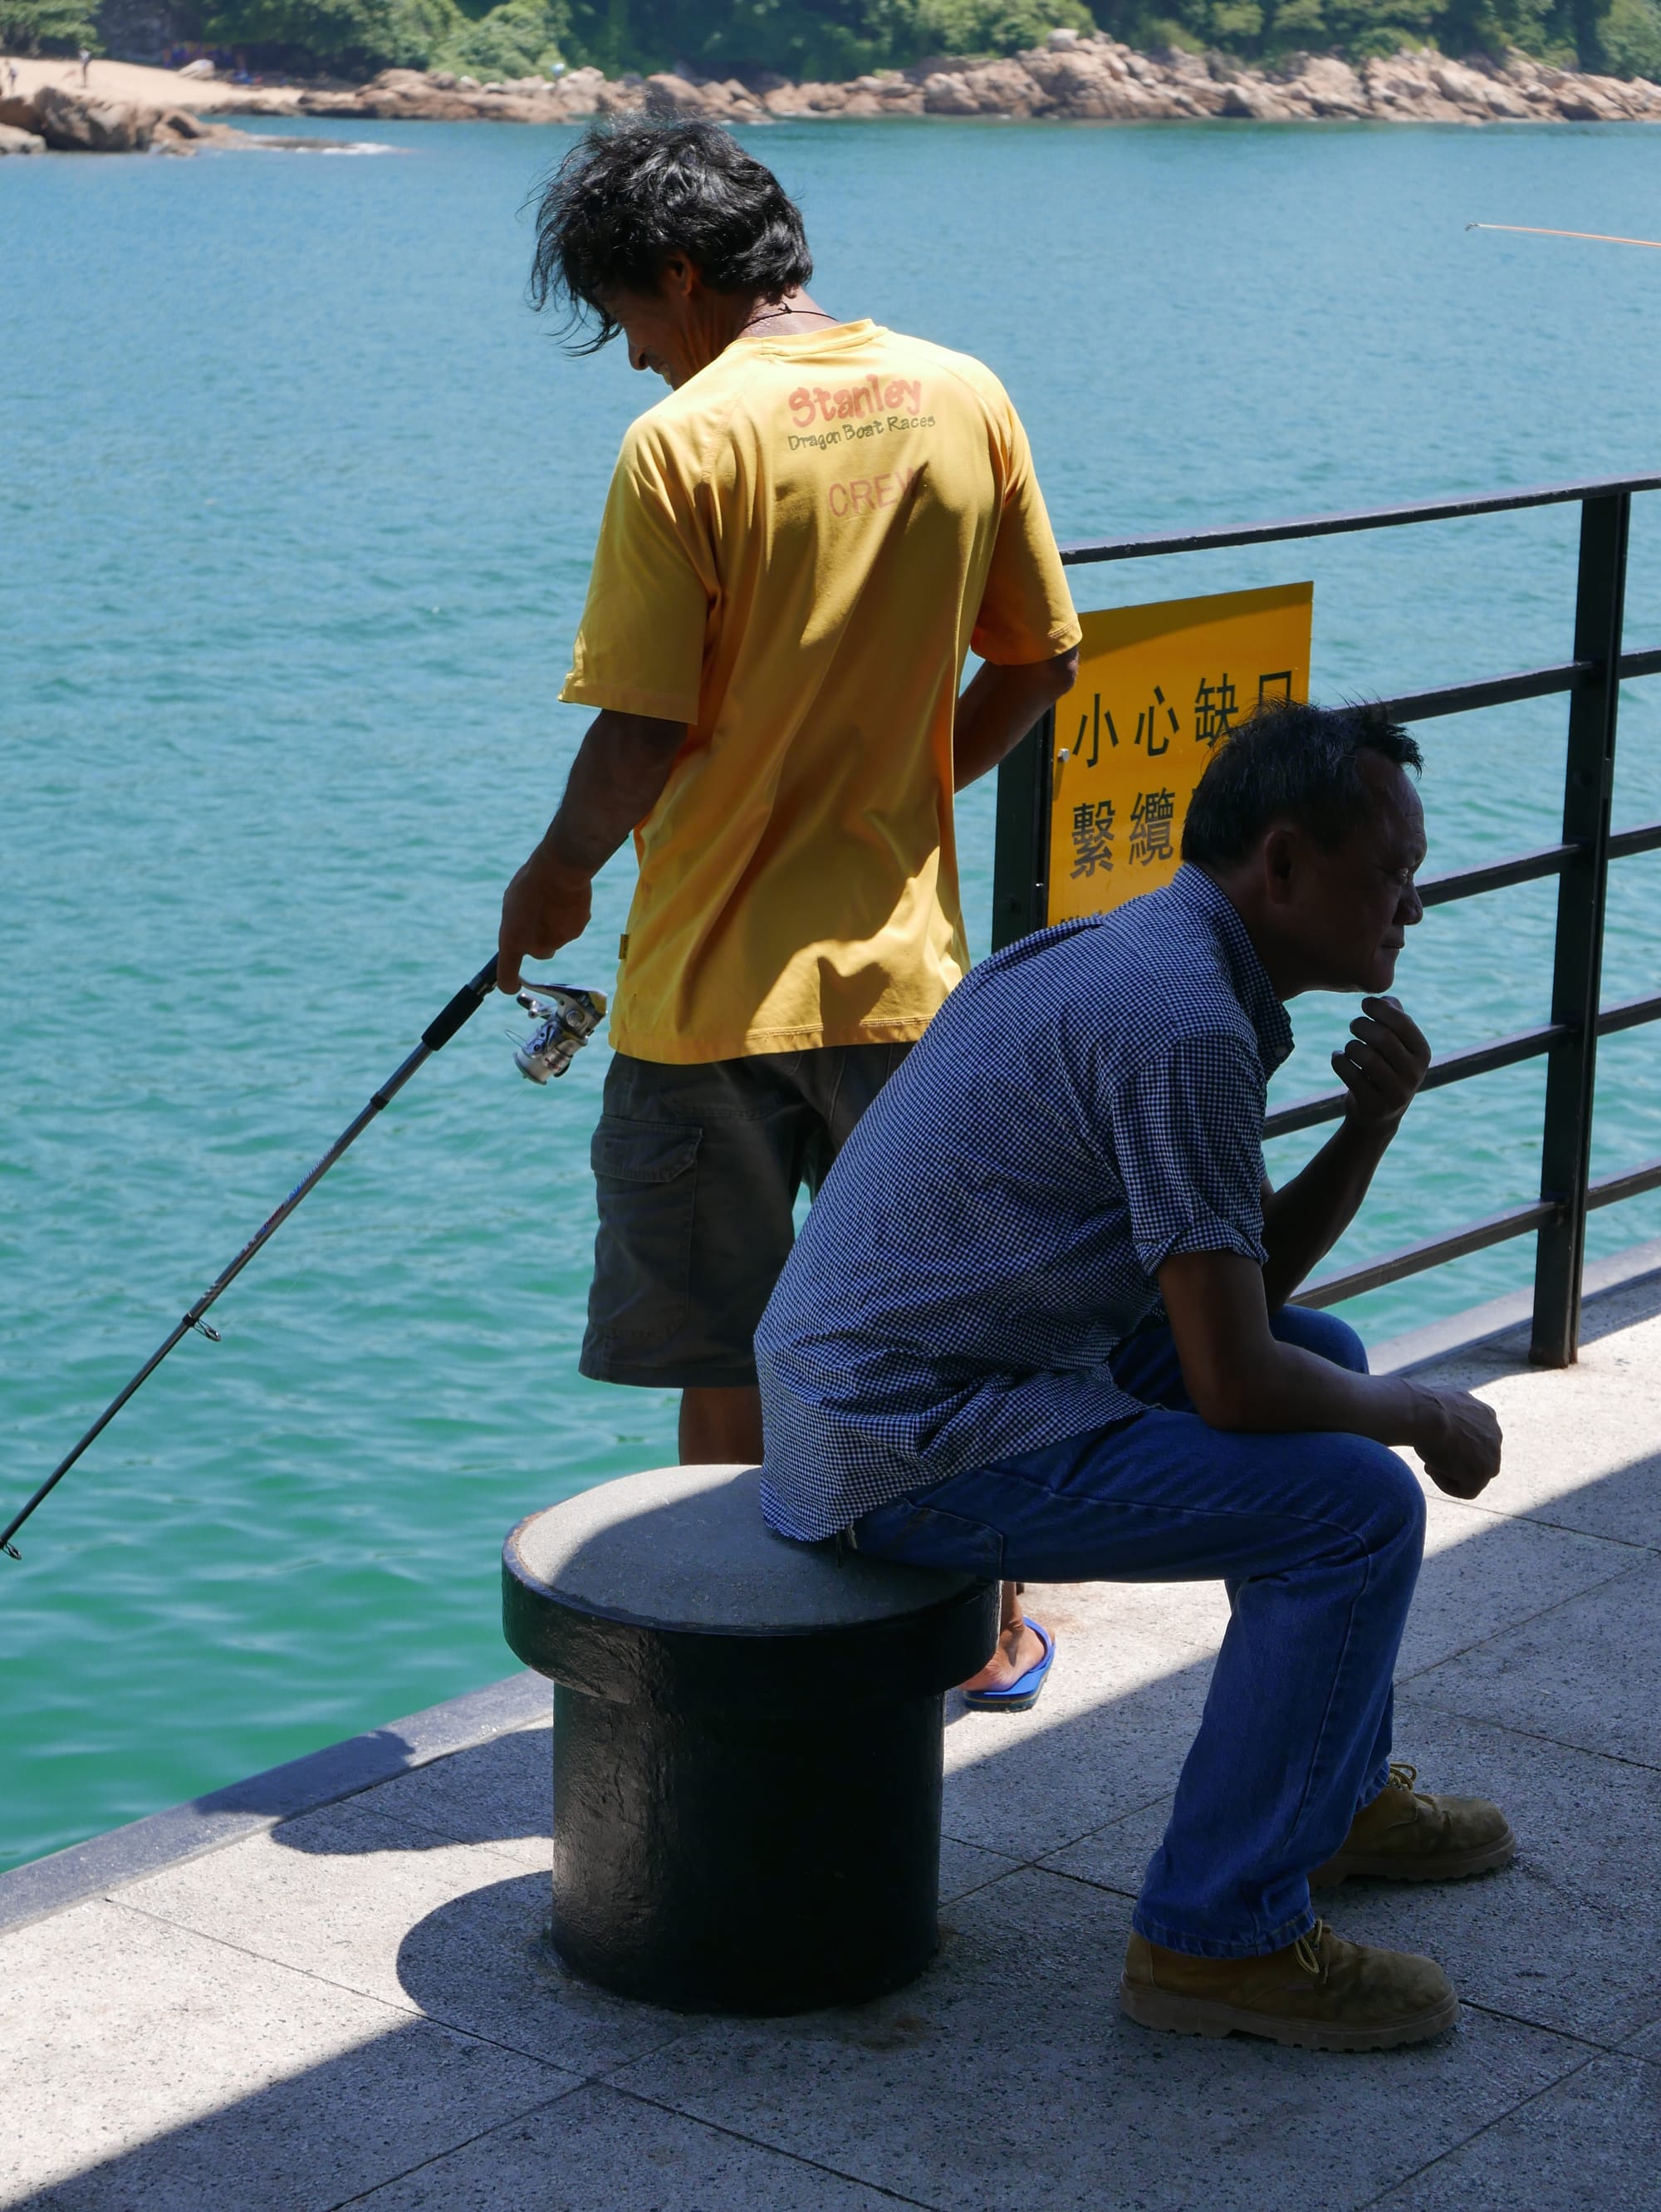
[{"x": 748, "y": 1738}]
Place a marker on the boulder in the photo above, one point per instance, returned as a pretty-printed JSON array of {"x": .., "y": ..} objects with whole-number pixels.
[
  {"x": 948, "y": 93},
  {"x": 18, "y": 112},
  {"x": 73, "y": 123},
  {"x": 1330, "y": 88},
  {"x": 1401, "y": 90},
  {"x": 1086, "y": 84},
  {"x": 668, "y": 95},
  {"x": 1004, "y": 87},
  {"x": 1249, "y": 96},
  {"x": 13, "y": 141},
  {"x": 178, "y": 131},
  {"x": 580, "y": 91}
]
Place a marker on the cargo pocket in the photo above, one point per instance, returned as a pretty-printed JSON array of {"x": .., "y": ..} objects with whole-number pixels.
[{"x": 646, "y": 1176}]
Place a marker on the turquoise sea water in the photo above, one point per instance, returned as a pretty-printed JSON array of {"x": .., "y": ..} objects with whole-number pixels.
[{"x": 298, "y": 501}]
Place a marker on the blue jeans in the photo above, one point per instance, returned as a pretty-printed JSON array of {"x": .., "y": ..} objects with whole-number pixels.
[{"x": 1318, "y": 1537}]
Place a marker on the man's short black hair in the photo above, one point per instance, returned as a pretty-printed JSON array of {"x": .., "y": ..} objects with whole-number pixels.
[
  {"x": 1289, "y": 762},
  {"x": 633, "y": 191}
]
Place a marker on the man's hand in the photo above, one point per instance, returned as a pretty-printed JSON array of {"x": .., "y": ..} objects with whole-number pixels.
[
  {"x": 545, "y": 906},
  {"x": 1458, "y": 1442},
  {"x": 1382, "y": 1067}
]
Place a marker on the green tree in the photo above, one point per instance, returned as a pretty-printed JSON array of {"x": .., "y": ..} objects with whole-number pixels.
[
  {"x": 47, "y": 27},
  {"x": 1628, "y": 40},
  {"x": 521, "y": 37}
]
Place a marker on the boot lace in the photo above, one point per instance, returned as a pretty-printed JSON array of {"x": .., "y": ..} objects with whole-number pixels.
[
  {"x": 1309, "y": 1948},
  {"x": 1405, "y": 1777}
]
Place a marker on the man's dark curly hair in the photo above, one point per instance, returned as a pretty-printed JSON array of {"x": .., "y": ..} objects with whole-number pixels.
[
  {"x": 1290, "y": 761},
  {"x": 634, "y": 192}
]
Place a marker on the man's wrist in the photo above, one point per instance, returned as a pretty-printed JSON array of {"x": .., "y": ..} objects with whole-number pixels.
[
  {"x": 1376, "y": 1134},
  {"x": 1424, "y": 1419},
  {"x": 560, "y": 858}
]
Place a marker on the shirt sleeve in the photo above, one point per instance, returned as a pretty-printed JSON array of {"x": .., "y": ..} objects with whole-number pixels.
[
  {"x": 1188, "y": 1133},
  {"x": 639, "y": 649},
  {"x": 1025, "y": 610}
]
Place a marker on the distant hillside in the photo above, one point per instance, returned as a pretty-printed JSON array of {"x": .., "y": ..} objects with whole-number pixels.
[{"x": 762, "y": 41}]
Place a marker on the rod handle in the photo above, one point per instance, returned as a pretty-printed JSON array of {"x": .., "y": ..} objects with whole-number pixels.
[{"x": 462, "y": 1008}]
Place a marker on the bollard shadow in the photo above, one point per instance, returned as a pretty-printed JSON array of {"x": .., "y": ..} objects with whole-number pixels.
[{"x": 497, "y": 1792}]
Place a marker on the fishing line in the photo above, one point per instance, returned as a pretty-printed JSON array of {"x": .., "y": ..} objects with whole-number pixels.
[
  {"x": 565, "y": 1021},
  {"x": 1596, "y": 237}
]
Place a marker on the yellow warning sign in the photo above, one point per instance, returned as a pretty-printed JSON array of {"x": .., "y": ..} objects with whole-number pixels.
[{"x": 1159, "y": 688}]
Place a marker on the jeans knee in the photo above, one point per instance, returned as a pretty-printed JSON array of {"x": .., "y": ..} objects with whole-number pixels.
[
  {"x": 1399, "y": 1515},
  {"x": 1323, "y": 1334}
]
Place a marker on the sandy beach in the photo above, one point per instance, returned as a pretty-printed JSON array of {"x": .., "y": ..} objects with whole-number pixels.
[{"x": 149, "y": 88}]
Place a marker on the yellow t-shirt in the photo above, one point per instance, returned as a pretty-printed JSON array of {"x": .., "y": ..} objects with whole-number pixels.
[{"x": 800, "y": 546}]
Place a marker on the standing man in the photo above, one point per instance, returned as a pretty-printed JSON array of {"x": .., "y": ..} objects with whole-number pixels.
[{"x": 801, "y": 544}]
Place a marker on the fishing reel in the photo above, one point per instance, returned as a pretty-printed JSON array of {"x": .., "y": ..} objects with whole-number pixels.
[{"x": 565, "y": 1019}]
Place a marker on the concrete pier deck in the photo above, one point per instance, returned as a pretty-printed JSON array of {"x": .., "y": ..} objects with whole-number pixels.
[{"x": 245, "y": 2004}]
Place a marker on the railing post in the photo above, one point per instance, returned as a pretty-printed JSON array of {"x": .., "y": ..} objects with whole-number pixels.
[
  {"x": 1020, "y": 850},
  {"x": 1571, "y": 1067}
]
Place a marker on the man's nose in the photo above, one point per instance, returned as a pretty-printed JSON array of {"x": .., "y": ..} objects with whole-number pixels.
[
  {"x": 637, "y": 358},
  {"x": 1412, "y": 907}
]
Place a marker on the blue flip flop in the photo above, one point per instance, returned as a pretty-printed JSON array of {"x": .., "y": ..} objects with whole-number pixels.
[{"x": 1022, "y": 1693}]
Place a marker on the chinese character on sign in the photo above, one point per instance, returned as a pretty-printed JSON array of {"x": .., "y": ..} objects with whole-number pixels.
[
  {"x": 1278, "y": 686},
  {"x": 1092, "y": 723},
  {"x": 1093, "y": 837},
  {"x": 1147, "y": 721},
  {"x": 1151, "y": 820},
  {"x": 1216, "y": 706}
]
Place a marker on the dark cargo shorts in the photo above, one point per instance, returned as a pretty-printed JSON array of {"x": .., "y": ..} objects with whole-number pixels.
[{"x": 697, "y": 1171}]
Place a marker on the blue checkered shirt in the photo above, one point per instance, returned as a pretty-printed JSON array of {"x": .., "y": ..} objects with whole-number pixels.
[{"x": 1085, "y": 1105}]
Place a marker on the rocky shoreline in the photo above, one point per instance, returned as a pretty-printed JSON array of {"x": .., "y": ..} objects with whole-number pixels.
[
  {"x": 1074, "y": 77},
  {"x": 52, "y": 119}
]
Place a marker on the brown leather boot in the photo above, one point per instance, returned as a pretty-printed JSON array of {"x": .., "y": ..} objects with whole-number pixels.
[
  {"x": 1319, "y": 1992},
  {"x": 1406, "y": 1835}
]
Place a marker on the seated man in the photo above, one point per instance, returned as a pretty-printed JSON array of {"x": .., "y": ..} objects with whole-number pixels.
[{"x": 966, "y": 1363}]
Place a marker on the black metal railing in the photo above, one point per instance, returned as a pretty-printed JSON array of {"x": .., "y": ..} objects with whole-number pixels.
[{"x": 1580, "y": 861}]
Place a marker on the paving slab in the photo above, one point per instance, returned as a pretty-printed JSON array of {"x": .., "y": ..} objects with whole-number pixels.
[
  {"x": 146, "y": 2067},
  {"x": 1587, "y": 1673},
  {"x": 1568, "y": 1938},
  {"x": 1592, "y": 2143},
  {"x": 1088, "y": 2111},
  {"x": 964, "y": 1867},
  {"x": 500, "y": 1793},
  {"x": 452, "y": 1930},
  {"x": 598, "y": 2151},
  {"x": 1484, "y": 1573},
  {"x": 1581, "y": 1448},
  {"x": 1119, "y": 1710}
]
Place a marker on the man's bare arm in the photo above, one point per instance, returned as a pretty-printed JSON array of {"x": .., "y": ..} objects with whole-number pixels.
[
  {"x": 616, "y": 779},
  {"x": 997, "y": 708},
  {"x": 1382, "y": 1067},
  {"x": 1240, "y": 1376}
]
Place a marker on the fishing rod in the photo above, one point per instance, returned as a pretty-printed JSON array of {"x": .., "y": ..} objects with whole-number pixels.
[
  {"x": 565, "y": 1019},
  {"x": 1536, "y": 230}
]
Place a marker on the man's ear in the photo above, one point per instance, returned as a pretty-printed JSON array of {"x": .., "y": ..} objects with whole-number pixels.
[
  {"x": 1279, "y": 858},
  {"x": 678, "y": 279}
]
